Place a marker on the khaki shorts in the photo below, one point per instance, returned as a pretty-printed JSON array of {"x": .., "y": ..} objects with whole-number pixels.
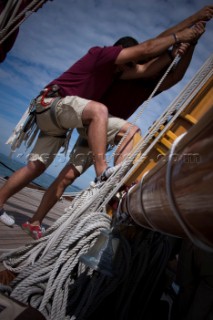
[{"x": 68, "y": 113}]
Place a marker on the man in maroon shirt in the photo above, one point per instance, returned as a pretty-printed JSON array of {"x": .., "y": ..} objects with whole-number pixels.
[{"x": 87, "y": 83}]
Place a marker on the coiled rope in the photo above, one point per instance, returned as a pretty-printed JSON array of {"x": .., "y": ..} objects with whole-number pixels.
[{"x": 49, "y": 268}]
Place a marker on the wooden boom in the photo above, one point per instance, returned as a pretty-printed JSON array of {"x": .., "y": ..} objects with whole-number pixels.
[{"x": 174, "y": 194}]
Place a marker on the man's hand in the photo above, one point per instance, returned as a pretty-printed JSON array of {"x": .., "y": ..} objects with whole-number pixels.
[
  {"x": 205, "y": 14},
  {"x": 180, "y": 49},
  {"x": 191, "y": 34},
  {"x": 200, "y": 27}
]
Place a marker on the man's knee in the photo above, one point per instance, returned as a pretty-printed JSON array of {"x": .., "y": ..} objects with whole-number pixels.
[
  {"x": 133, "y": 130},
  {"x": 128, "y": 130},
  {"x": 95, "y": 110},
  {"x": 36, "y": 167},
  {"x": 100, "y": 112},
  {"x": 68, "y": 175}
]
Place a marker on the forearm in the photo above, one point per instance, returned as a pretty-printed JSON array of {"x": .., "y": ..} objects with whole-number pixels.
[
  {"x": 205, "y": 14},
  {"x": 156, "y": 66},
  {"x": 155, "y": 47},
  {"x": 145, "y": 51}
]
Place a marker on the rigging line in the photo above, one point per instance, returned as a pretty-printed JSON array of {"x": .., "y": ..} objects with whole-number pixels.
[
  {"x": 161, "y": 121},
  {"x": 183, "y": 99},
  {"x": 33, "y": 6},
  {"x": 191, "y": 90},
  {"x": 4, "y": 13},
  {"x": 15, "y": 11},
  {"x": 129, "y": 159},
  {"x": 180, "y": 102},
  {"x": 146, "y": 103}
]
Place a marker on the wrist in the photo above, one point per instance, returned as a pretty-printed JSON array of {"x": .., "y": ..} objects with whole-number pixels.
[{"x": 176, "y": 38}]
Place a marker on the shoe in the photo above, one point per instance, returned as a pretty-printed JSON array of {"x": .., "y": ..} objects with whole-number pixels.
[
  {"x": 36, "y": 232},
  {"x": 106, "y": 174},
  {"x": 6, "y": 219}
]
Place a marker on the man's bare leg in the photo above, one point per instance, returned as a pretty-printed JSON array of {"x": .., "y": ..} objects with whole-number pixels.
[
  {"x": 54, "y": 192},
  {"x": 69, "y": 174},
  {"x": 95, "y": 115},
  {"x": 127, "y": 145},
  {"x": 20, "y": 179}
]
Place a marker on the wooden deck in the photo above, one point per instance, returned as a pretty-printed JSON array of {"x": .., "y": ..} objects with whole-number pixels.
[{"x": 22, "y": 206}]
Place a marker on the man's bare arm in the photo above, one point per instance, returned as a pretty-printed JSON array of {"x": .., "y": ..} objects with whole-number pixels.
[
  {"x": 205, "y": 14},
  {"x": 155, "y": 47},
  {"x": 154, "y": 67}
]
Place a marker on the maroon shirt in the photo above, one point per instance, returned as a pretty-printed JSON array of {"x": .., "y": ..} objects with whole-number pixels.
[
  {"x": 125, "y": 96},
  {"x": 91, "y": 76}
]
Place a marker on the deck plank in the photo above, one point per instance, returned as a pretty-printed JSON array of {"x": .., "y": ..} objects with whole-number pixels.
[{"x": 22, "y": 206}]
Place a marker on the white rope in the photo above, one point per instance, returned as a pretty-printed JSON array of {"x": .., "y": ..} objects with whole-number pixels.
[
  {"x": 54, "y": 268},
  {"x": 145, "y": 104},
  {"x": 170, "y": 115},
  {"x": 52, "y": 259}
]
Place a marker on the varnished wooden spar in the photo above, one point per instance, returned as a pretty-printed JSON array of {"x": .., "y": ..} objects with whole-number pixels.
[
  {"x": 179, "y": 200},
  {"x": 192, "y": 113}
]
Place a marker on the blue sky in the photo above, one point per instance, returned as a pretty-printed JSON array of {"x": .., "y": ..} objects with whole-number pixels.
[{"x": 62, "y": 31}]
